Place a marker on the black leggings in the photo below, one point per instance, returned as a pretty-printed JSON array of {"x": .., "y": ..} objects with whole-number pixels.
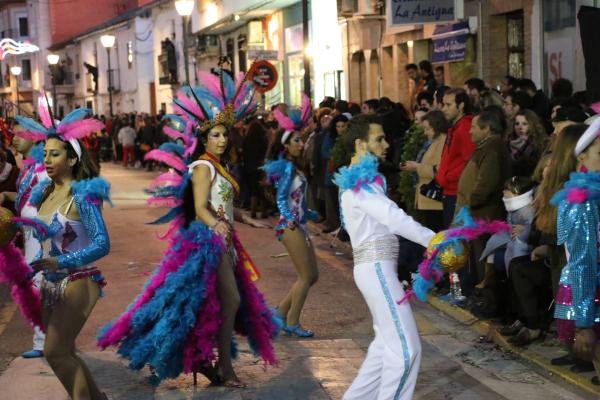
[{"x": 531, "y": 281}]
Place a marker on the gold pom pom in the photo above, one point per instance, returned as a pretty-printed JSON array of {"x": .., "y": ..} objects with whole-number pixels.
[
  {"x": 8, "y": 229},
  {"x": 453, "y": 257}
]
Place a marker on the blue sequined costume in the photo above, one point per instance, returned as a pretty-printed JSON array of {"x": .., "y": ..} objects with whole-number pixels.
[
  {"x": 291, "y": 194},
  {"x": 578, "y": 218},
  {"x": 75, "y": 243}
]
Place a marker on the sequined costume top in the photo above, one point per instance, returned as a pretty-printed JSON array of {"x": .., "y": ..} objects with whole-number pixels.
[
  {"x": 369, "y": 216},
  {"x": 291, "y": 194},
  {"x": 32, "y": 174},
  {"x": 76, "y": 244},
  {"x": 577, "y": 230}
]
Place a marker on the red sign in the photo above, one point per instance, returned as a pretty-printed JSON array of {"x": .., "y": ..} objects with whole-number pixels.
[{"x": 264, "y": 76}]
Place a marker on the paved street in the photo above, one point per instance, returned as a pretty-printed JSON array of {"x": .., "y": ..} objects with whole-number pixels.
[{"x": 455, "y": 364}]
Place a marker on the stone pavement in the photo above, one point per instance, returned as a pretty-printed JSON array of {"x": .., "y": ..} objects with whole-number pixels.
[{"x": 308, "y": 369}]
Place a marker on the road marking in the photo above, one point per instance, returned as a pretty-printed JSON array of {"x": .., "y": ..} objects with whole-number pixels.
[{"x": 6, "y": 313}]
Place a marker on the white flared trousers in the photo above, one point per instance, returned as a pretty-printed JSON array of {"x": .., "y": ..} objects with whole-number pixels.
[{"x": 391, "y": 367}]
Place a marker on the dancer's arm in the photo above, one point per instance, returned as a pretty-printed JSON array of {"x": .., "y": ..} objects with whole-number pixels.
[
  {"x": 283, "y": 192},
  {"x": 378, "y": 206}
]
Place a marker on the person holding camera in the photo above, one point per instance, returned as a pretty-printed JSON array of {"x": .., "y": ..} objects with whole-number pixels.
[{"x": 428, "y": 196}]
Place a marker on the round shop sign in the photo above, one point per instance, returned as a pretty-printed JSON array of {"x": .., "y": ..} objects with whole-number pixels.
[{"x": 263, "y": 75}]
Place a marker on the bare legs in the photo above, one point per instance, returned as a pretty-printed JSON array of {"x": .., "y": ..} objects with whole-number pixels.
[
  {"x": 229, "y": 298},
  {"x": 63, "y": 322},
  {"x": 303, "y": 257}
]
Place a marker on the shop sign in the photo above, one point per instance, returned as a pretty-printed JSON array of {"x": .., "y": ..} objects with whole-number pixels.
[
  {"x": 411, "y": 12},
  {"x": 264, "y": 76},
  {"x": 259, "y": 54},
  {"x": 450, "y": 42}
]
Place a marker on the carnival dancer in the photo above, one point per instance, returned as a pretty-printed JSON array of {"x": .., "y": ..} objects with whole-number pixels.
[
  {"x": 30, "y": 146},
  {"x": 577, "y": 311},
  {"x": 69, "y": 205},
  {"x": 203, "y": 287},
  {"x": 283, "y": 171},
  {"x": 372, "y": 220}
]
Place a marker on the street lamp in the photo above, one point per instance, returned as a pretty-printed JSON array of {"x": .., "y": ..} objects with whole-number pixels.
[
  {"x": 185, "y": 8},
  {"x": 108, "y": 41},
  {"x": 52, "y": 61},
  {"x": 16, "y": 71}
]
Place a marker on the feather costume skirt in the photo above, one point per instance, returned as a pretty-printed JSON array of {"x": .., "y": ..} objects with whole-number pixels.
[{"x": 174, "y": 323}]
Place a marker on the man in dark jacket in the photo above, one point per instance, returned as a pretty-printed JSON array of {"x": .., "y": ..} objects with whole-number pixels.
[
  {"x": 482, "y": 181},
  {"x": 457, "y": 149}
]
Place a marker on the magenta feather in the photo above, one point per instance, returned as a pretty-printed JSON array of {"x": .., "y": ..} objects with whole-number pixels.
[
  {"x": 173, "y": 133},
  {"x": 168, "y": 178},
  {"x": 596, "y": 107},
  {"x": 577, "y": 195},
  {"x": 283, "y": 120},
  {"x": 35, "y": 224},
  {"x": 173, "y": 228},
  {"x": 170, "y": 201},
  {"x": 31, "y": 136},
  {"x": 80, "y": 129},
  {"x": 306, "y": 108},
  {"x": 175, "y": 257},
  {"x": 15, "y": 272},
  {"x": 44, "y": 112},
  {"x": 191, "y": 147},
  {"x": 212, "y": 84},
  {"x": 190, "y": 105},
  {"x": 166, "y": 158}
]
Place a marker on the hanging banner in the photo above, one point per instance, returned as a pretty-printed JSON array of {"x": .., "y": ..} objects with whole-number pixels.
[
  {"x": 412, "y": 12},
  {"x": 449, "y": 42}
]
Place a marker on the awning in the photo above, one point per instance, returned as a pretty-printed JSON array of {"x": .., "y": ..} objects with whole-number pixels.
[{"x": 450, "y": 42}]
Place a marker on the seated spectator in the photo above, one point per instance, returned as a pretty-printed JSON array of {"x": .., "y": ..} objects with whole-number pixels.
[{"x": 526, "y": 143}]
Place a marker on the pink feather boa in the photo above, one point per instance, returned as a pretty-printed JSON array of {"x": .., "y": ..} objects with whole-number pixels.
[
  {"x": 15, "y": 272},
  {"x": 167, "y": 158}
]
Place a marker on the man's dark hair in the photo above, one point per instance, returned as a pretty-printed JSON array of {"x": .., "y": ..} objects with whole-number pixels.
[
  {"x": 490, "y": 119},
  {"x": 439, "y": 68},
  {"x": 358, "y": 128},
  {"x": 499, "y": 114},
  {"x": 427, "y": 96},
  {"x": 354, "y": 109},
  {"x": 373, "y": 104},
  {"x": 522, "y": 99},
  {"x": 527, "y": 84},
  {"x": 562, "y": 88},
  {"x": 342, "y": 106},
  {"x": 411, "y": 66},
  {"x": 425, "y": 65},
  {"x": 385, "y": 104},
  {"x": 511, "y": 81},
  {"x": 460, "y": 96},
  {"x": 475, "y": 83},
  {"x": 328, "y": 102}
]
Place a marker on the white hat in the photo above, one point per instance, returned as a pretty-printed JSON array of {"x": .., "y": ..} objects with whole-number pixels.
[{"x": 590, "y": 134}]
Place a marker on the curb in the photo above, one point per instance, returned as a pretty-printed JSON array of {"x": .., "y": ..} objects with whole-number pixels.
[{"x": 484, "y": 328}]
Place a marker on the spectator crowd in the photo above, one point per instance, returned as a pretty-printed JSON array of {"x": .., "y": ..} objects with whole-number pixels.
[{"x": 503, "y": 152}]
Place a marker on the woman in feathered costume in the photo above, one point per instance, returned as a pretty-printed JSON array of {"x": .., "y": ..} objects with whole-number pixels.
[
  {"x": 30, "y": 145},
  {"x": 283, "y": 171},
  {"x": 577, "y": 311},
  {"x": 203, "y": 288},
  {"x": 73, "y": 236}
]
